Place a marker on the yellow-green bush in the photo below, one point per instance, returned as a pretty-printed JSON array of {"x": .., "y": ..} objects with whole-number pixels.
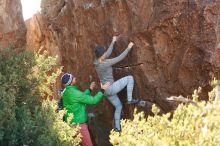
[{"x": 190, "y": 125}]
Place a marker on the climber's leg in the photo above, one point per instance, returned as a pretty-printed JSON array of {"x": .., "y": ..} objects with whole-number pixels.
[
  {"x": 120, "y": 84},
  {"x": 118, "y": 107}
]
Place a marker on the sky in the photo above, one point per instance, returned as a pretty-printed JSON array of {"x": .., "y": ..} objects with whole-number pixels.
[{"x": 30, "y": 7}]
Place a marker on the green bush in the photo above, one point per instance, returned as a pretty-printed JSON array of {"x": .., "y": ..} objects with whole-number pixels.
[
  {"x": 189, "y": 125},
  {"x": 25, "y": 119}
]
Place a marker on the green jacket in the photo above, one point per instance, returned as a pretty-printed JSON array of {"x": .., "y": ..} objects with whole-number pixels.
[{"x": 75, "y": 102}]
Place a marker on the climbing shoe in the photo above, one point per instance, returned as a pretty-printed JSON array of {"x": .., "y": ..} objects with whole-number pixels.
[
  {"x": 133, "y": 101},
  {"x": 142, "y": 103},
  {"x": 117, "y": 130}
]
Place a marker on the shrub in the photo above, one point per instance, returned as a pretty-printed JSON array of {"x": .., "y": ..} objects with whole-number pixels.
[
  {"x": 25, "y": 119},
  {"x": 189, "y": 125}
]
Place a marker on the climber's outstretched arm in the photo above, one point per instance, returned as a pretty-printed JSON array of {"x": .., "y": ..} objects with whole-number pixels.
[
  {"x": 110, "y": 48},
  {"x": 110, "y": 62}
]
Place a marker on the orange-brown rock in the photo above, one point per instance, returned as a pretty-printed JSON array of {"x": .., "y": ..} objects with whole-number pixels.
[
  {"x": 12, "y": 26},
  {"x": 176, "y": 42}
]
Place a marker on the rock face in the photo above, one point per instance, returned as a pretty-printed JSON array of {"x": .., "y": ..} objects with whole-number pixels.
[
  {"x": 12, "y": 26},
  {"x": 176, "y": 43}
]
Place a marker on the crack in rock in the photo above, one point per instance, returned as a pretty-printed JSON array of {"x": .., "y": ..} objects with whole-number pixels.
[{"x": 129, "y": 66}]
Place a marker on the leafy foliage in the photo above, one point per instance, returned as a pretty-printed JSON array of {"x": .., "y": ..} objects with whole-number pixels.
[
  {"x": 44, "y": 66},
  {"x": 25, "y": 120},
  {"x": 189, "y": 125}
]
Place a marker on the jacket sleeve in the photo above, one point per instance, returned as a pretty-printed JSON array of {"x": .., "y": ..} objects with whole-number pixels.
[
  {"x": 88, "y": 99},
  {"x": 87, "y": 92},
  {"x": 110, "y": 62},
  {"x": 109, "y": 51}
]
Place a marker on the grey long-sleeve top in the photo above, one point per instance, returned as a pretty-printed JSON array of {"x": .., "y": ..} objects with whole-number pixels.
[{"x": 104, "y": 69}]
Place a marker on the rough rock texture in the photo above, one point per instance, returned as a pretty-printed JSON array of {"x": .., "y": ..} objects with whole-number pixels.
[
  {"x": 12, "y": 26},
  {"x": 176, "y": 44}
]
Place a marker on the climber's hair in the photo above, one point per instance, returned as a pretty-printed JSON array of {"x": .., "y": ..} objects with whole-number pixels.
[
  {"x": 100, "y": 53},
  {"x": 102, "y": 58}
]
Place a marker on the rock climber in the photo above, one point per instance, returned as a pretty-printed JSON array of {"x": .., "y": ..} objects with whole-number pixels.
[{"x": 103, "y": 66}]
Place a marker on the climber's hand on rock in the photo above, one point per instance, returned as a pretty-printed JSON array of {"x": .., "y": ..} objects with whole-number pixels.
[
  {"x": 114, "y": 39},
  {"x": 130, "y": 45}
]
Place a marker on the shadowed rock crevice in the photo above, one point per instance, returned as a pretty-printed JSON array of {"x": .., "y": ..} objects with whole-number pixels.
[{"x": 128, "y": 66}]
